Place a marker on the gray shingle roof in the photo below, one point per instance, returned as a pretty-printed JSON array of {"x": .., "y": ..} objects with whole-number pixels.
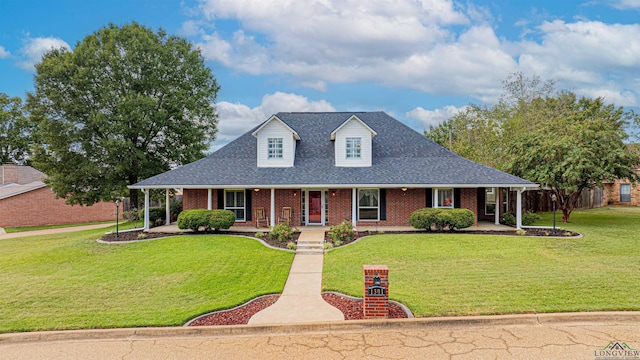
[{"x": 401, "y": 157}]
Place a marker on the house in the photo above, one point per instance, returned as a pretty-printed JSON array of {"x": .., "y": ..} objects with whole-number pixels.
[
  {"x": 25, "y": 200},
  {"x": 621, "y": 192},
  {"x": 365, "y": 167}
]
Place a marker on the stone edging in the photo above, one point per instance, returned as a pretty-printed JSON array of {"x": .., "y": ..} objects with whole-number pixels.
[{"x": 187, "y": 234}]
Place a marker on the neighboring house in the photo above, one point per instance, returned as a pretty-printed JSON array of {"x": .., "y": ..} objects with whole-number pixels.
[
  {"x": 25, "y": 200},
  {"x": 622, "y": 192},
  {"x": 365, "y": 167}
]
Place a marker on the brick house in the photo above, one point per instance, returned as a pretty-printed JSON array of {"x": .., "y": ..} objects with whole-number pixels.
[
  {"x": 365, "y": 167},
  {"x": 622, "y": 192},
  {"x": 25, "y": 200}
]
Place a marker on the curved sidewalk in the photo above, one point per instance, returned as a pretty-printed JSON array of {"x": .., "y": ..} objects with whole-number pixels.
[
  {"x": 301, "y": 300},
  {"x": 527, "y": 336}
]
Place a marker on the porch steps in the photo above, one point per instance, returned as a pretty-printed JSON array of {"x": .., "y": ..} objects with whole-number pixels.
[{"x": 310, "y": 247}]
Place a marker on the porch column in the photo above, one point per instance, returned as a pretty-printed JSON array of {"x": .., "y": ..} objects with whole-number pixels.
[
  {"x": 273, "y": 207},
  {"x": 434, "y": 201},
  {"x": 209, "y": 200},
  {"x": 168, "y": 209},
  {"x": 146, "y": 209},
  {"x": 354, "y": 207},
  {"x": 518, "y": 209},
  {"x": 498, "y": 192}
]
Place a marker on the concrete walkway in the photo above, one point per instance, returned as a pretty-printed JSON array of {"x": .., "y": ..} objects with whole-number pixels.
[
  {"x": 301, "y": 300},
  {"x": 527, "y": 336},
  {"x": 54, "y": 231}
]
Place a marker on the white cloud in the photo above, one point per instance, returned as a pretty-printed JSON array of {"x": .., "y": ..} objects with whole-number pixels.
[
  {"x": 236, "y": 119},
  {"x": 433, "y": 46},
  {"x": 434, "y": 117},
  {"x": 406, "y": 43},
  {"x": 34, "y": 48},
  {"x": 626, "y": 4},
  {"x": 588, "y": 57},
  {"x": 4, "y": 53}
]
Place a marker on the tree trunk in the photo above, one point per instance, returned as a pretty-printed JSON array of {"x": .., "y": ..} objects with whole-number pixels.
[
  {"x": 565, "y": 215},
  {"x": 133, "y": 199}
]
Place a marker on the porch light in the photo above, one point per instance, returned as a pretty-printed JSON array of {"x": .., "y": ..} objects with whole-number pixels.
[
  {"x": 295, "y": 192},
  {"x": 117, "y": 216},
  {"x": 333, "y": 193},
  {"x": 256, "y": 189},
  {"x": 404, "y": 189}
]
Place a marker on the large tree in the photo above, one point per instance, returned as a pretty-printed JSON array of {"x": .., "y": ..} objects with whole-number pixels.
[
  {"x": 580, "y": 146},
  {"x": 126, "y": 104},
  {"x": 14, "y": 131},
  {"x": 551, "y": 138}
]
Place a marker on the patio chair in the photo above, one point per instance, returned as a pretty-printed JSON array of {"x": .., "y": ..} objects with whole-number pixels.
[
  {"x": 261, "y": 218},
  {"x": 286, "y": 216}
]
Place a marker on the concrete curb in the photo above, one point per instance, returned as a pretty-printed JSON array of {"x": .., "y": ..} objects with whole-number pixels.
[{"x": 568, "y": 319}]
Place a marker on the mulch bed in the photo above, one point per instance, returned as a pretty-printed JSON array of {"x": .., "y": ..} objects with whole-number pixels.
[
  {"x": 351, "y": 308},
  {"x": 239, "y": 315},
  {"x": 133, "y": 235}
]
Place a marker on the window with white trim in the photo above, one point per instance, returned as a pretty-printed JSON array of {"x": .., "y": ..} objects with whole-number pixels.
[
  {"x": 234, "y": 201},
  {"x": 490, "y": 201},
  {"x": 445, "y": 198},
  {"x": 625, "y": 192},
  {"x": 274, "y": 148},
  {"x": 368, "y": 204},
  {"x": 353, "y": 147}
]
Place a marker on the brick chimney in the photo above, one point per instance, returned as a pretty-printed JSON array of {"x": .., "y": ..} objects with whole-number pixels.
[{"x": 9, "y": 173}]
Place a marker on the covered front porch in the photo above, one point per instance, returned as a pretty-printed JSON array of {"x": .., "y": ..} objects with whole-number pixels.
[{"x": 250, "y": 230}]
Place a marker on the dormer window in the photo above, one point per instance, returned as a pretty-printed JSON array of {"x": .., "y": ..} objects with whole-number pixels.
[
  {"x": 354, "y": 148},
  {"x": 274, "y": 149}
]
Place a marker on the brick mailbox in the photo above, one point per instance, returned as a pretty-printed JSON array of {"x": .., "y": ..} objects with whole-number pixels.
[{"x": 376, "y": 291}]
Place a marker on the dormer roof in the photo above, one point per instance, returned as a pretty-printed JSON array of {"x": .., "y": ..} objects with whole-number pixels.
[
  {"x": 352, "y": 118},
  {"x": 275, "y": 118}
]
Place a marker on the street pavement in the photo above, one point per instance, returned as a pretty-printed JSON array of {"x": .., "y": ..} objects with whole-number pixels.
[{"x": 544, "y": 336}]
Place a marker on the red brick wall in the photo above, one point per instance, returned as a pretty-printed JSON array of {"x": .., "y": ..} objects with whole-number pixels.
[
  {"x": 399, "y": 204},
  {"x": 197, "y": 199},
  {"x": 339, "y": 206},
  {"x": 40, "y": 207},
  {"x": 469, "y": 200}
]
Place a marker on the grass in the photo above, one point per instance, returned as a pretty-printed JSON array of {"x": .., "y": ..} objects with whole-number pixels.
[
  {"x": 69, "y": 281},
  {"x": 45, "y": 227},
  {"x": 454, "y": 274}
]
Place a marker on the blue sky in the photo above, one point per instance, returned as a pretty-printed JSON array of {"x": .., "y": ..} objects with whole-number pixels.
[{"x": 420, "y": 61}]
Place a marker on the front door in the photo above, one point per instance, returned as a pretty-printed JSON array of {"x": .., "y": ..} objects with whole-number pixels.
[{"x": 315, "y": 207}]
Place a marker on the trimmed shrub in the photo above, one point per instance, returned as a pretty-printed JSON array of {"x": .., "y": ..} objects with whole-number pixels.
[
  {"x": 281, "y": 232},
  {"x": 462, "y": 218},
  {"x": 423, "y": 218},
  {"x": 508, "y": 219},
  {"x": 221, "y": 219},
  {"x": 194, "y": 219},
  {"x": 528, "y": 218},
  {"x": 158, "y": 214},
  {"x": 441, "y": 219},
  {"x": 341, "y": 232}
]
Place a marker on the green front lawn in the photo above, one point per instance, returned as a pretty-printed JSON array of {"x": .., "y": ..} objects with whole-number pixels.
[
  {"x": 457, "y": 274},
  {"x": 68, "y": 281}
]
